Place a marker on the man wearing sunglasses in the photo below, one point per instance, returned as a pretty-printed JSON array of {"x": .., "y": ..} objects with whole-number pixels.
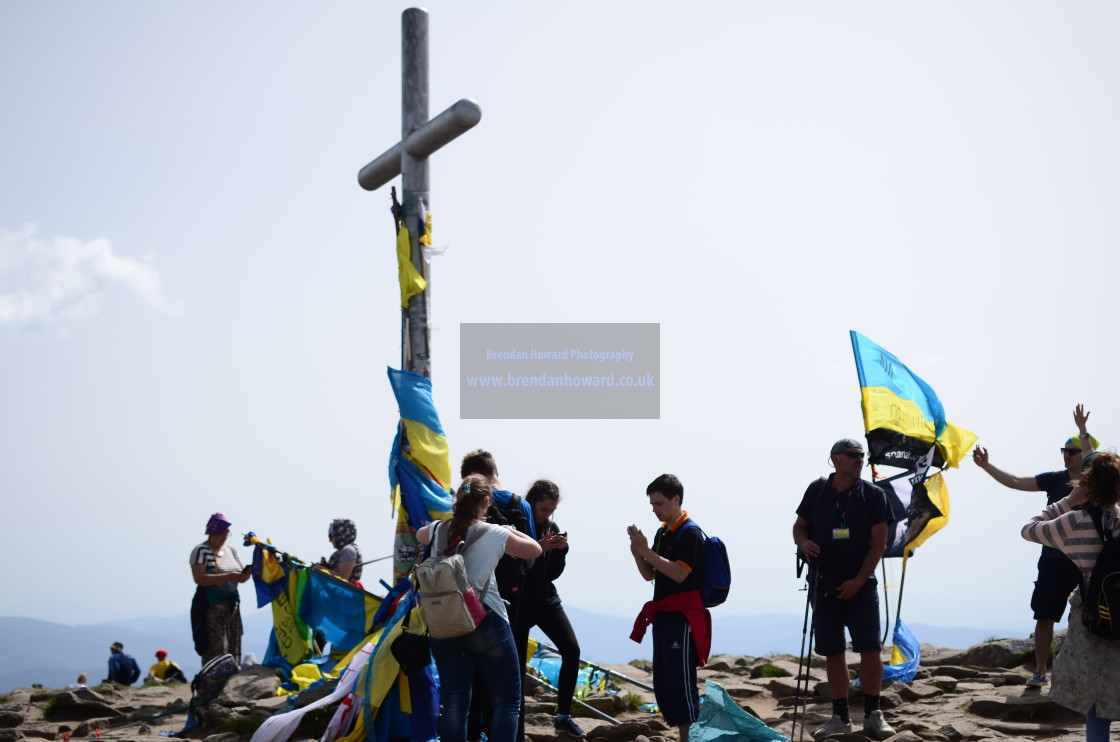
[
  {"x": 1057, "y": 575},
  {"x": 841, "y": 530}
]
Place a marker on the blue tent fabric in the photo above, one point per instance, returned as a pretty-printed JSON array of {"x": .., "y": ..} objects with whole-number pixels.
[{"x": 722, "y": 719}]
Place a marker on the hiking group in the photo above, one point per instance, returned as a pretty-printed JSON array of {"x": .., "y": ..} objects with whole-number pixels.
[
  {"x": 513, "y": 551},
  {"x": 841, "y": 531},
  {"x": 507, "y": 551}
]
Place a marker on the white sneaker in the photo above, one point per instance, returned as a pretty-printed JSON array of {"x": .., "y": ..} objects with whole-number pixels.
[
  {"x": 835, "y": 725},
  {"x": 876, "y": 726}
]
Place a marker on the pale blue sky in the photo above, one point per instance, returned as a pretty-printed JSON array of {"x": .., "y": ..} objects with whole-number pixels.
[{"x": 197, "y": 301}]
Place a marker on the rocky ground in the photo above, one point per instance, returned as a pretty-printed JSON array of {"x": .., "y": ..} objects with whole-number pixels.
[{"x": 972, "y": 695}]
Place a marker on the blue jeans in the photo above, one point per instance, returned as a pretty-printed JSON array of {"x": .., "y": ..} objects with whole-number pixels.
[
  {"x": 1096, "y": 727},
  {"x": 490, "y": 650}
]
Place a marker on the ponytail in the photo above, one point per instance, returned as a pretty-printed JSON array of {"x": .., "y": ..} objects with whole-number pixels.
[{"x": 471, "y": 493}]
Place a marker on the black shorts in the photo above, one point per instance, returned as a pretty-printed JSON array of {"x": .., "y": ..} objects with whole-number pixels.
[
  {"x": 1057, "y": 578},
  {"x": 860, "y": 615}
]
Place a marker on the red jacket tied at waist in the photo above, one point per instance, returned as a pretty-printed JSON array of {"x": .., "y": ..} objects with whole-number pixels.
[{"x": 694, "y": 611}]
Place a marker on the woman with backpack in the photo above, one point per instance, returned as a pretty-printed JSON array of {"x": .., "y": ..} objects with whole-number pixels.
[
  {"x": 540, "y": 603},
  {"x": 489, "y": 649},
  {"x": 1084, "y": 677}
]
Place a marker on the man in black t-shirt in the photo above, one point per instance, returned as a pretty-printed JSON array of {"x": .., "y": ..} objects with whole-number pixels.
[
  {"x": 1057, "y": 575},
  {"x": 841, "y": 529},
  {"x": 673, "y": 564}
]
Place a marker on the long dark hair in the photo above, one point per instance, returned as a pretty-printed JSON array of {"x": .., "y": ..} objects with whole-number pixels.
[
  {"x": 542, "y": 489},
  {"x": 471, "y": 493}
]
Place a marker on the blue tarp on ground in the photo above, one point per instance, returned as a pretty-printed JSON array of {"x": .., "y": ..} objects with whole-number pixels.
[{"x": 722, "y": 719}]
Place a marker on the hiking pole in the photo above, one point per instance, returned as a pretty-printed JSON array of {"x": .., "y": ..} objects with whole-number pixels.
[
  {"x": 605, "y": 671},
  {"x": 810, "y": 584},
  {"x": 594, "y": 711}
]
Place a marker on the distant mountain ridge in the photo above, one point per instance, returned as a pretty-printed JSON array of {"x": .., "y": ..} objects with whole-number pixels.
[{"x": 53, "y": 654}]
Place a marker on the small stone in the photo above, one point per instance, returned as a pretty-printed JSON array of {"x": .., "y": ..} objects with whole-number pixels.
[
  {"x": 958, "y": 729},
  {"x": 918, "y": 691},
  {"x": 745, "y": 691},
  {"x": 975, "y": 688},
  {"x": 944, "y": 682},
  {"x": 223, "y": 737}
]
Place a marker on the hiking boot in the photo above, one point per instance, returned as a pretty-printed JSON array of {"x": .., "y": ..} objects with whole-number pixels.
[
  {"x": 876, "y": 726},
  {"x": 835, "y": 725},
  {"x": 568, "y": 726},
  {"x": 1037, "y": 681}
]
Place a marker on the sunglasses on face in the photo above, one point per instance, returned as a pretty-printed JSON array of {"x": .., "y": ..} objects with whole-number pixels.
[
  {"x": 854, "y": 454},
  {"x": 1070, "y": 451}
]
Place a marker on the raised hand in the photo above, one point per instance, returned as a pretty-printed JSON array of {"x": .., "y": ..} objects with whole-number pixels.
[
  {"x": 1081, "y": 417},
  {"x": 980, "y": 456}
]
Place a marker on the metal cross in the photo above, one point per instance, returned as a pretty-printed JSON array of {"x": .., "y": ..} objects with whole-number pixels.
[{"x": 409, "y": 159}]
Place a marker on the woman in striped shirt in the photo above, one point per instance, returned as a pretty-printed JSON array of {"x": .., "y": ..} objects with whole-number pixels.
[{"x": 1085, "y": 677}]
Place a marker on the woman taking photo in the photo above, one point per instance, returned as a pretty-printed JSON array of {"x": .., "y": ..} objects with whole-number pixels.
[
  {"x": 540, "y": 603},
  {"x": 1085, "y": 677},
  {"x": 489, "y": 649}
]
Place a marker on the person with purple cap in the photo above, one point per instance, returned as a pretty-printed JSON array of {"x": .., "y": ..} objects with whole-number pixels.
[
  {"x": 1057, "y": 575},
  {"x": 215, "y": 610},
  {"x": 841, "y": 530}
]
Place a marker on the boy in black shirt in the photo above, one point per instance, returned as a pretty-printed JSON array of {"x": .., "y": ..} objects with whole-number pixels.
[{"x": 673, "y": 564}]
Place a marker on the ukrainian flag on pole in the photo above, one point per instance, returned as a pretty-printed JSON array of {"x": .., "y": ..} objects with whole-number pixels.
[
  {"x": 901, "y": 413},
  {"x": 419, "y": 466}
]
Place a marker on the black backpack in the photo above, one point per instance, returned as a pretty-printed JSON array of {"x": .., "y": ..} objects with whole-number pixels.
[
  {"x": 1104, "y": 583},
  {"x": 511, "y": 571}
]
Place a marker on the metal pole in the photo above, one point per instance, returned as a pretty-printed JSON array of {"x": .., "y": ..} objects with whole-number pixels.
[
  {"x": 414, "y": 174},
  {"x": 803, "y": 701},
  {"x": 594, "y": 711}
]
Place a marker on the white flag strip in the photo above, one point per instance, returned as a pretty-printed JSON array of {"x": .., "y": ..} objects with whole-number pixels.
[{"x": 280, "y": 727}]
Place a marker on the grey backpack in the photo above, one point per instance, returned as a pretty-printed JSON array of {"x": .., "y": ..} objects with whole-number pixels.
[{"x": 451, "y": 605}]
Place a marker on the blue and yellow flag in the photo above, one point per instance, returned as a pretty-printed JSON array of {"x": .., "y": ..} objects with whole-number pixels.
[
  {"x": 901, "y": 413},
  {"x": 343, "y": 612},
  {"x": 419, "y": 466}
]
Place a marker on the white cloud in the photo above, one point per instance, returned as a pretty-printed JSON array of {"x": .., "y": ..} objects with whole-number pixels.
[{"x": 62, "y": 280}]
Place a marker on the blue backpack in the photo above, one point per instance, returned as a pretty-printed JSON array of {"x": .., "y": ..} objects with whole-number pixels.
[{"x": 716, "y": 567}]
